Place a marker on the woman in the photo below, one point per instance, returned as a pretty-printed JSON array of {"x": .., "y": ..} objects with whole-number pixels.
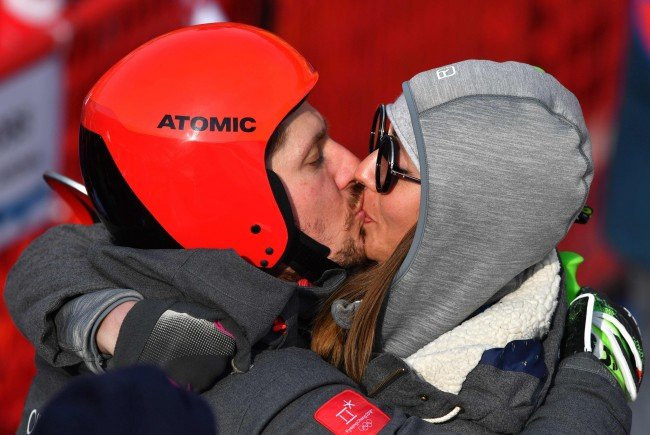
[{"x": 468, "y": 289}]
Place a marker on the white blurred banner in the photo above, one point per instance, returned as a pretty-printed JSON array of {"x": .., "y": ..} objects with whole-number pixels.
[
  {"x": 207, "y": 11},
  {"x": 30, "y": 133}
]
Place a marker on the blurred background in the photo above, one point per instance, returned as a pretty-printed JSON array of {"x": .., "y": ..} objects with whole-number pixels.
[{"x": 52, "y": 51}]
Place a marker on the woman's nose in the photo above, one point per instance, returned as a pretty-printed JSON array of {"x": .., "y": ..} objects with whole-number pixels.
[{"x": 365, "y": 173}]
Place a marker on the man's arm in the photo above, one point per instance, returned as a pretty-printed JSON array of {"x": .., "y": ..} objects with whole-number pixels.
[
  {"x": 193, "y": 344},
  {"x": 109, "y": 328},
  {"x": 52, "y": 271},
  {"x": 66, "y": 292},
  {"x": 72, "y": 260}
]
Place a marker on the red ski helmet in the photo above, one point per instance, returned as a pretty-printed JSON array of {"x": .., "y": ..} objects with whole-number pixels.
[{"x": 173, "y": 140}]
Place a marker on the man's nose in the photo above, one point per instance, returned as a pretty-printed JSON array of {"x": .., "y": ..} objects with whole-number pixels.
[
  {"x": 344, "y": 165},
  {"x": 365, "y": 173}
]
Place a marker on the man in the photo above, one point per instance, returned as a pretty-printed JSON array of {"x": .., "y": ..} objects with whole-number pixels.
[
  {"x": 182, "y": 161},
  {"x": 175, "y": 154}
]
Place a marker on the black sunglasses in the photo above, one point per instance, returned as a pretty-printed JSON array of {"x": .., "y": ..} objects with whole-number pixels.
[{"x": 386, "y": 170}]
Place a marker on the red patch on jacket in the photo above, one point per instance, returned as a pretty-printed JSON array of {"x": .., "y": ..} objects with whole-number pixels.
[{"x": 350, "y": 413}]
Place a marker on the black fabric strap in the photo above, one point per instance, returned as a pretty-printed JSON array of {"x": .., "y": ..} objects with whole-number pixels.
[
  {"x": 303, "y": 254},
  {"x": 309, "y": 258},
  {"x": 136, "y": 329}
]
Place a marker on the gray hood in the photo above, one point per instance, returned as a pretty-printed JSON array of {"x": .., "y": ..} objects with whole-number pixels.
[{"x": 507, "y": 157}]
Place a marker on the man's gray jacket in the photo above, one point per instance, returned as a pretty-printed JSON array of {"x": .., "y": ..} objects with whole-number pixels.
[{"x": 285, "y": 390}]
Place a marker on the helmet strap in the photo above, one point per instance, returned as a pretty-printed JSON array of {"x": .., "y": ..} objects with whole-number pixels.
[
  {"x": 303, "y": 254},
  {"x": 308, "y": 257}
]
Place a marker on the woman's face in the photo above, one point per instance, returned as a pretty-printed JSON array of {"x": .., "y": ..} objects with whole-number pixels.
[{"x": 388, "y": 217}]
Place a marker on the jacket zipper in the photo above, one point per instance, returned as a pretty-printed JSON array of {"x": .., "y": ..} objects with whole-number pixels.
[{"x": 386, "y": 381}]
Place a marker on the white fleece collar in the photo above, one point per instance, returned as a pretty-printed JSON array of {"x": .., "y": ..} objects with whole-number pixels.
[{"x": 523, "y": 314}]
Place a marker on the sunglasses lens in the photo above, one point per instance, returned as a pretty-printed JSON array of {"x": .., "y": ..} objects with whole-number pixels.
[
  {"x": 383, "y": 165},
  {"x": 383, "y": 172}
]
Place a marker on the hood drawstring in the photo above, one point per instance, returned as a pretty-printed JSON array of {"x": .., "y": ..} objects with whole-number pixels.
[
  {"x": 343, "y": 312},
  {"x": 451, "y": 414}
]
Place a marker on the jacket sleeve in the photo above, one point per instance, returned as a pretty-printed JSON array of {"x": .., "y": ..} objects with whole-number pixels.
[
  {"x": 584, "y": 397},
  {"x": 69, "y": 261},
  {"x": 57, "y": 297},
  {"x": 50, "y": 272}
]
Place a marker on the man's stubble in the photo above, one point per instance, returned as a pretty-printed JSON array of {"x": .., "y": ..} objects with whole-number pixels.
[{"x": 351, "y": 254}]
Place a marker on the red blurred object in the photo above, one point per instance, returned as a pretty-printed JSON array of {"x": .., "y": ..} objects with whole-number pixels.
[
  {"x": 102, "y": 32},
  {"x": 365, "y": 49},
  {"x": 92, "y": 35},
  {"x": 254, "y": 12},
  {"x": 642, "y": 13},
  {"x": 363, "y": 60},
  {"x": 75, "y": 196},
  {"x": 33, "y": 41},
  {"x": 279, "y": 325},
  {"x": 17, "y": 355},
  {"x": 303, "y": 282}
]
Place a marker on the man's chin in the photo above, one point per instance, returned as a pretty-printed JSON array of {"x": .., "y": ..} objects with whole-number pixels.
[{"x": 352, "y": 254}]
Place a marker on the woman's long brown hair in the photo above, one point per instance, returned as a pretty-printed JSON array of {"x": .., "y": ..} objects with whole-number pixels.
[{"x": 351, "y": 350}]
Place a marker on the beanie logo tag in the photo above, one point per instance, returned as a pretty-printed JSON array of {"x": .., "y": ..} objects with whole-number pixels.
[{"x": 446, "y": 72}]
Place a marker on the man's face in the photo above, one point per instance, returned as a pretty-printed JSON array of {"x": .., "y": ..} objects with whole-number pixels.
[{"x": 318, "y": 174}]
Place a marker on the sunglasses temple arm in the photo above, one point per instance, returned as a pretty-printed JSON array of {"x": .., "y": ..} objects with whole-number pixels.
[{"x": 408, "y": 177}]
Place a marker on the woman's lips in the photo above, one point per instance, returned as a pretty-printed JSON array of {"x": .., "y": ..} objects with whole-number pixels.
[
  {"x": 362, "y": 210},
  {"x": 366, "y": 218}
]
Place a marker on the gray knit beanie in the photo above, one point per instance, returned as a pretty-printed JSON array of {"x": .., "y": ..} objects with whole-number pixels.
[{"x": 399, "y": 116}]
